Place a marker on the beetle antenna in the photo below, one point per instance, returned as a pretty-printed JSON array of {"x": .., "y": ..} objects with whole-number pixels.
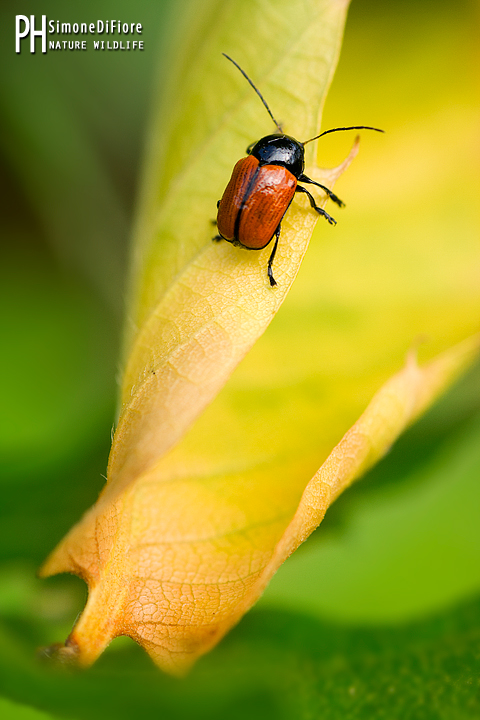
[
  {"x": 257, "y": 91},
  {"x": 354, "y": 127}
]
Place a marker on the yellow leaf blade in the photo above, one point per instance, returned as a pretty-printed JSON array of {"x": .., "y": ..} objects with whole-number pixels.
[
  {"x": 174, "y": 562},
  {"x": 394, "y": 407},
  {"x": 197, "y": 335},
  {"x": 197, "y": 307}
]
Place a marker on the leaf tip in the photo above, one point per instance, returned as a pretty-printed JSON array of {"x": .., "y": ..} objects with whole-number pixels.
[{"x": 62, "y": 654}]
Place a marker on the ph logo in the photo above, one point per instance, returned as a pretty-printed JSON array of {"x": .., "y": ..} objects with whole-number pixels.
[{"x": 29, "y": 29}]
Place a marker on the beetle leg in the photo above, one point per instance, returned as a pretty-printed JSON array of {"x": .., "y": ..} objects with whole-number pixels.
[
  {"x": 217, "y": 238},
  {"x": 271, "y": 258},
  {"x": 320, "y": 210},
  {"x": 331, "y": 195}
]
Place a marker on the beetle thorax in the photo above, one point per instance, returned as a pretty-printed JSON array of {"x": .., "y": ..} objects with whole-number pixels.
[{"x": 280, "y": 150}]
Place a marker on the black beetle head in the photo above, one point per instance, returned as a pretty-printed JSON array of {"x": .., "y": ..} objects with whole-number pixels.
[{"x": 280, "y": 150}]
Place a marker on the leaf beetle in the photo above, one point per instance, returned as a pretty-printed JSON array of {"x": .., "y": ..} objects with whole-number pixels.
[{"x": 263, "y": 185}]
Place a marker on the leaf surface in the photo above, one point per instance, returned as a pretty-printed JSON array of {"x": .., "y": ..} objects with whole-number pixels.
[
  {"x": 197, "y": 307},
  {"x": 176, "y": 559}
]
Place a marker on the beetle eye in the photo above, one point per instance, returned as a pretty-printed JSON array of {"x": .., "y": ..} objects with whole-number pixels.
[{"x": 250, "y": 148}]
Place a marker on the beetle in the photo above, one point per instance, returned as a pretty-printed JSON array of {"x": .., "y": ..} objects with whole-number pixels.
[{"x": 263, "y": 185}]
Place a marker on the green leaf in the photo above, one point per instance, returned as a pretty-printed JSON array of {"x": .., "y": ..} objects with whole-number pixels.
[
  {"x": 14, "y": 711},
  {"x": 57, "y": 393},
  {"x": 281, "y": 665}
]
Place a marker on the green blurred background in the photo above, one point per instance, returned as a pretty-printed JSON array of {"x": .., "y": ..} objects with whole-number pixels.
[{"x": 378, "y": 614}]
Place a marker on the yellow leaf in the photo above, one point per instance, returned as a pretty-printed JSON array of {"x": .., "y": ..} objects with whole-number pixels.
[
  {"x": 177, "y": 559},
  {"x": 197, "y": 307},
  {"x": 185, "y": 536}
]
